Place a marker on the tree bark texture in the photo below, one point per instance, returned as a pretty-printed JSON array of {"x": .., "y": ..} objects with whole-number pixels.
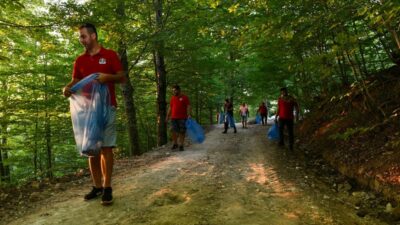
[
  {"x": 130, "y": 108},
  {"x": 128, "y": 92},
  {"x": 161, "y": 77}
]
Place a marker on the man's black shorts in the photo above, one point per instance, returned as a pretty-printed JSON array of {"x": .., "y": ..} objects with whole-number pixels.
[{"x": 178, "y": 125}]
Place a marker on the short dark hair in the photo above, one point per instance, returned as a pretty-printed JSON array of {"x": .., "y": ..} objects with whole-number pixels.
[
  {"x": 90, "y": 28},
  {"x": 284, "y": 89},
  {"x": 176, "y": 87}
]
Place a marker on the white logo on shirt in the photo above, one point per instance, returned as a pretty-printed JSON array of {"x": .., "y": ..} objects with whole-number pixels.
[{"x": 102, "y": 61}]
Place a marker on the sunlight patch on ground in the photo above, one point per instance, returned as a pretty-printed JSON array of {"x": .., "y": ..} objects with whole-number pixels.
[
  {"x": 195, "y": 172},
  {"x": 167, "y": 196},
  {"x": 165, "y": 163},
  {"x": 258, "y": 174},
  {"x": 291, "y": 215},
  {"x": 391, "y": 175},
  {"x": 317, "y": 217},
  {"x": 268, "y": 177}
]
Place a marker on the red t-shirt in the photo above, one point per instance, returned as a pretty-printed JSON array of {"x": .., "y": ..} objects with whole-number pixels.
[
  {"x": 262, "y": 109},
  {"x": 286, "y": 107},
  {"x": 179, "y": 105},
  {"x": 105, "y": 61}
]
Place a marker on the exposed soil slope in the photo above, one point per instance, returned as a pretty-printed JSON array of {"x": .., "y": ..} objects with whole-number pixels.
[{"x": 359, "y": 132}]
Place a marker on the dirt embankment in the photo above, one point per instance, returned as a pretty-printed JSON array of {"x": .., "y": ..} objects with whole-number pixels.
[{"x": 358, "y": 132}]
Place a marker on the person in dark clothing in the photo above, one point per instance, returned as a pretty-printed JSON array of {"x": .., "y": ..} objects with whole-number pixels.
[
  {"x": 286, "y": 106},
  {"x": 263, "y": 112},
  {"x": 228, "y": 110}
]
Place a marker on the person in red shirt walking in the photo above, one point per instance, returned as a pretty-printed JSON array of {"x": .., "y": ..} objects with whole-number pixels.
[
  {"x": 286, "y": 106},
  {"x": 263, "y": 111},
  {"x": 179, "y": 111},
  {"x": 107, "y": 65}
]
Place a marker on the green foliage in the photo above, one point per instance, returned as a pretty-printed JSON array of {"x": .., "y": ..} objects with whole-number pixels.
[
  {"x": 245, "y": 50},
  {"x": 351, "y": 132}
]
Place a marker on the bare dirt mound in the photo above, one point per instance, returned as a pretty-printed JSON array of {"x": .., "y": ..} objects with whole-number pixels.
[
  {"x": 357, "y": 132},
  {"x": 229, "y": 179}
]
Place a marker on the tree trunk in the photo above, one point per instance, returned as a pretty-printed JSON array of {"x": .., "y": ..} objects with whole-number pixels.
[
  {"x": 4, "y": 169},
  {"x": 211, "y": 116},
  {"x": 362, "y": 64},
  {"x": 49, "y": 152},
  {"x": 130, "y": 108},
  {"x": 197, "y": 106},
  {"x": 49, "y": 147},
  {"x": 161, "y": 76},
  {"x": 128, "y": 93},
  {"x": 396, "y": 38},
  {"x": 369, "y": 100},
  {"x": 35, "y": 147},
  {"x": 343, "y": 75}
]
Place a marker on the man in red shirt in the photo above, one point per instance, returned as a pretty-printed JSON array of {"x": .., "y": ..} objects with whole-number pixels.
[
  {"x": 106, "y": 63},
  {"x": 263, "y": 111},
  {"x": 286, "y": 106},
  {"x": 179, "y": 111}
]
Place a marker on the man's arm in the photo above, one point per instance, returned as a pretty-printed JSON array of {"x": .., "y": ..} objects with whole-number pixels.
[
  {"x": 277, "y": 112},
  {"x": 168, "y": 113},
  {"x": 66, "y": 90},
  {"x": 119, "y": 77}
]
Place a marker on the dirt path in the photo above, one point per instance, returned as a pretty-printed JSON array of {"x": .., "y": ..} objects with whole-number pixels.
[{"x": 229, "y": 179}]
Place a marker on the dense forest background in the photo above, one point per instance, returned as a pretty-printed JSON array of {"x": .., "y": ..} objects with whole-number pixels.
[{"x": 214, "y": 49}]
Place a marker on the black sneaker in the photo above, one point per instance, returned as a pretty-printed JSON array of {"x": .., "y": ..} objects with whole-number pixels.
[
  {"x": 107, "y": 198},
  {"x": 175, "y": 146},
  {"x": 181, "y": 148},
  {"x": 94, "y": 193},
  {"x": 224, "y": 132},
  {"x": 235, "y": 131}
]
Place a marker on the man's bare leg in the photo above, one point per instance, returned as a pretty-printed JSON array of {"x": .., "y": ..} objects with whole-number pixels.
[
  {"x": 95, "y": 170},
  {"x": 181, "y": 141},
  {"x": 175, "y": 137},
  {"x": 107, "y": 162}
]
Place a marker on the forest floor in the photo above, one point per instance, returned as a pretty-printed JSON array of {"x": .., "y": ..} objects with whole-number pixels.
[{"x": 231, "y": 178}]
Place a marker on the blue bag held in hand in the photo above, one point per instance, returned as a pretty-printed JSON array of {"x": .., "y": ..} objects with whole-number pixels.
[
  {"x": 221, "y": 117},
  {"x": 194, "y": 131},
  {"x": 89, "y": 105},
  {"x": 258, "y": 119},
  {"x": 273, "y": 132}
]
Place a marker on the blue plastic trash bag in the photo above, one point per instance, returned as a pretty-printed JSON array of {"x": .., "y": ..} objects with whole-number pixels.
[
  {"x": 194, "y": 131},
  {"x": 221, "y": 118},
  {"x": 89, "y": 105},
  {"x": 258, "y": 119},
  {"x": 273, "y": 132}
]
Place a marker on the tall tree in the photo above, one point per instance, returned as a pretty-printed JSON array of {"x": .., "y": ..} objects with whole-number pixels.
[
  {"x": 161, "y": 74},
  {"x": 128, "y": 91}
]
